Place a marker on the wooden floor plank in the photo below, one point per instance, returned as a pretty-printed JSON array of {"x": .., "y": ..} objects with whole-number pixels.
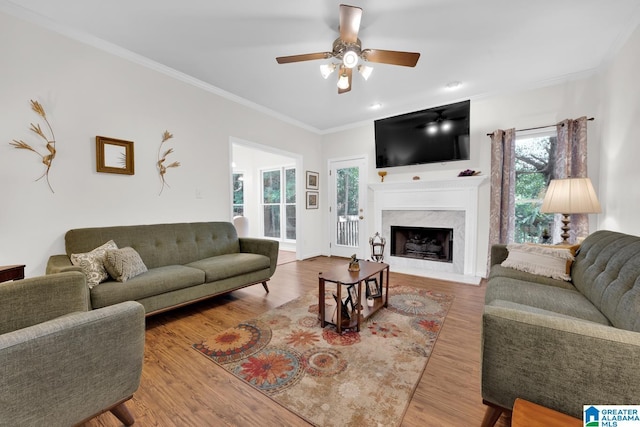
[{"x": 181, "y": 387}]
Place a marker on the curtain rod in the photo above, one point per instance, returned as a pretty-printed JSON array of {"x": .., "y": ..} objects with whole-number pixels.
[{"x": 540, "y": 127}]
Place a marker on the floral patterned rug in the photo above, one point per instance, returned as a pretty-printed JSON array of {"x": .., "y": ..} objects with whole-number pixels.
[{"x": 364, "y": 378}]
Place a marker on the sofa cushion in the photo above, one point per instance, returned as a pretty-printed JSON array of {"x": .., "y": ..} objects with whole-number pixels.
[
  {"x": 161, "y": 244},
  {"x": 540, "y": 260},
  {"x": 92, "y": 263},
  {"x": 230, "y": 265},
  {"x": 123, "y": 264},
  {"x": 558, "y": 300},
  {"x": 498, "y": 270},
  {"x": 529, "y": 309},
  {"x": 607, "y": 272},
  {"x": 154, "y": 282}
]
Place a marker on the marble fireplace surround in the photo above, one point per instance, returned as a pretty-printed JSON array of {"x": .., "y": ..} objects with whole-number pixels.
[{"x": 449, "y": 203}]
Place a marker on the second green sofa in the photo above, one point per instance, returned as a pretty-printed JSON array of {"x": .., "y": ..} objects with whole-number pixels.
[{"x": 186, "y": 262}]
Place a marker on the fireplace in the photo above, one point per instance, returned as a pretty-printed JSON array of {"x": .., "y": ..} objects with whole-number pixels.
[
  {"x": 434, "y": 244},
  {"x": 450, "y": 203}
]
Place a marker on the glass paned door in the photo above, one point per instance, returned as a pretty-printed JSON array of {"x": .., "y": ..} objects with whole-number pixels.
[
  {"x": 271, "y": 196},
  {"x": 279, "y": 203},
  {"x": 238, "y": 194},
  {"x": 347, "y": 208},
  {"x": 290, "y": 203}
]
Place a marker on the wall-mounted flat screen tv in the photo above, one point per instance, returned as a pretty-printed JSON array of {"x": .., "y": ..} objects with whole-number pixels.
[{"x": 436, "y": 135}]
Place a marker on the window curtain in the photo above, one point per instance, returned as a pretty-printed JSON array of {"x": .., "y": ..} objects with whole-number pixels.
[
  {"x": 503, "y": 186},
  {"x": 571, "y": 162}
]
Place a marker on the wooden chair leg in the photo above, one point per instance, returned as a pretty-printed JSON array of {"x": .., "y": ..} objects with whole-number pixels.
[
  {"x": 264, "y": 285},
  {"x": 491, "y": 415},
  {"x": 122, "y": 413}
]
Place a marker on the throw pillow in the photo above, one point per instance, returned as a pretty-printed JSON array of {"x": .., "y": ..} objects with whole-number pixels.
[
  {"x": 123, "y": 264},
  {"x": 92, "y": 263},
  {"x": 542, "y": 260},
  {"x": 573, "y": 249}
]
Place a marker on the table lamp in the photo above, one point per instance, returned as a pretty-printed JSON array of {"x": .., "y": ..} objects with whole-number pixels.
[{"x": 570, "y": 196}]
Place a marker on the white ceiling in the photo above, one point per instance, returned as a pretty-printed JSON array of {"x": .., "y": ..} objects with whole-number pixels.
[{"x": 491, "y": 46}]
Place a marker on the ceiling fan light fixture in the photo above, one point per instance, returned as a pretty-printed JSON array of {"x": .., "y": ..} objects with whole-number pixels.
[
  {"x": 327, "y": 69},
  {"x": 350, "y": 58},
  {"x": 343, "y": 81},
  {"x": 365, "y": 71}
]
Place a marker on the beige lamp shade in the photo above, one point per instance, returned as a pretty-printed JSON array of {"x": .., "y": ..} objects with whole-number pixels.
[{"x": 570, "y": 196}]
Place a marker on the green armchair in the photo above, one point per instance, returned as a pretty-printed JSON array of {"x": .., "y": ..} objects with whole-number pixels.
[{"x": 61, "y": 364}]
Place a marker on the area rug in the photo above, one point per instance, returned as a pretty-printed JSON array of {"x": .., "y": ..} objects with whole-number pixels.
[{"x": 364, "y": 378}]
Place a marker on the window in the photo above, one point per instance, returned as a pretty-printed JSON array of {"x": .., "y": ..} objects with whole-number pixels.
[
  {"x": 535, "y": 156},
  {"x": 238, "y": 194},
  {"x": 278, "y": 197}
]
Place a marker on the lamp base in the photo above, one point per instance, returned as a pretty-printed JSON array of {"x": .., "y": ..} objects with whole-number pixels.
[{"x": 565, "y": 229}]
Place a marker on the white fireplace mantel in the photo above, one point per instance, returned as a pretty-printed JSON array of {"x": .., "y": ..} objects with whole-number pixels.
[{"x": 453, "y": 194}]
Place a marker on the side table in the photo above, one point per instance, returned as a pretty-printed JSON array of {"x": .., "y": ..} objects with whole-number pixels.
[
  {"x": 341, "y": 276},
  {"x": 11, "y": 272},
  {"x": 528, "y": 414}
]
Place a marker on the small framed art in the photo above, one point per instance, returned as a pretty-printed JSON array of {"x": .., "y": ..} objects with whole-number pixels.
[
  {"x": 353, "y": 297},
  {"x": 312, "y": 180},
  {"x": 312, "y": 200},
  {"x": 373, "y": 289},
  {"x": 114, "y": 155}
]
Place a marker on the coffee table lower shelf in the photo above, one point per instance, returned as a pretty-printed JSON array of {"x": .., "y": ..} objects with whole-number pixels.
[{"x": 330, "y": 314}]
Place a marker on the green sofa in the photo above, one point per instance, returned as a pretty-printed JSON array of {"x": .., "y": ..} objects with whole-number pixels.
[
  {"x": 564, "y": 344},
  {"x": 186, "y": 262},
  {"x": 60, "y": 363}
]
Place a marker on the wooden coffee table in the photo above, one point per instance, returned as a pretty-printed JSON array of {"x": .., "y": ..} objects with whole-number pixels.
[{"x": 343, "y": 278}]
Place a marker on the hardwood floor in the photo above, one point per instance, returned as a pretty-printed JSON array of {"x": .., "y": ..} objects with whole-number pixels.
[
  {"x": 285, "y": 257},
  {"x": 181, "y": 387}
]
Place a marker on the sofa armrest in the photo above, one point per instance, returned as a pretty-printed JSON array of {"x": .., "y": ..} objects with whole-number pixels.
[
  {"x": 266, "y": 247},
  {"x": 37, "y": 299},
  {"x": 499, "y": 253},
  {"x": 60, "y": 264},
  {"x": 66, "y": 370},
  {"x": 557, "y": 362}
]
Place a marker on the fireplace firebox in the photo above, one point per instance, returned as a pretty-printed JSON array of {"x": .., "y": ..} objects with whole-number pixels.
[{"x": 433, "y": 244}]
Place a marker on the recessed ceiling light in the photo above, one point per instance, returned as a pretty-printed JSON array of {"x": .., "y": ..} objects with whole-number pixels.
[
  {"x": 376, "y": 106},
  {"x": 453, "y": 85}
]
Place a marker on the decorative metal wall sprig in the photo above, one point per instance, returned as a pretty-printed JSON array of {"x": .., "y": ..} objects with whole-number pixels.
[
  {"x": 47, "y": 159},
  {"x": 162, "y": 169}
]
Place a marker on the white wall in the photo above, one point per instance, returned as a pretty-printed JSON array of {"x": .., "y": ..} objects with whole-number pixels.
[
  {"x": 87, "y": 92},
  {"x": 251, "y": 160},
  {"x": 530, "y": 108},
  {"x": 620, "y": 149}
]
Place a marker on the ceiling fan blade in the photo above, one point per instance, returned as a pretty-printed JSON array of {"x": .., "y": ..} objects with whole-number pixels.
[
  {"x": 349, "y": 23},
  {"x": 303, "y": 57},
  {"x": 394, "y": 57},
  {"x": 349, "y": 73}
]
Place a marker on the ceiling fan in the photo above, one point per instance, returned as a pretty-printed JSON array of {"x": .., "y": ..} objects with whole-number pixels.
[{"x": 348, "y": 49}]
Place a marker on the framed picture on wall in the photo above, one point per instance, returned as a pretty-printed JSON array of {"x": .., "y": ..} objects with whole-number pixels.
[
  {"x": 312, "y": 200},
  {"x": 312, "y": 180},
  {"x": 114, "y": 155}
]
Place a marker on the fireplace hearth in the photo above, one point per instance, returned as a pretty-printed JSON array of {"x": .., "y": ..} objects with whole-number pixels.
[{"x": 427, "y": 243}]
